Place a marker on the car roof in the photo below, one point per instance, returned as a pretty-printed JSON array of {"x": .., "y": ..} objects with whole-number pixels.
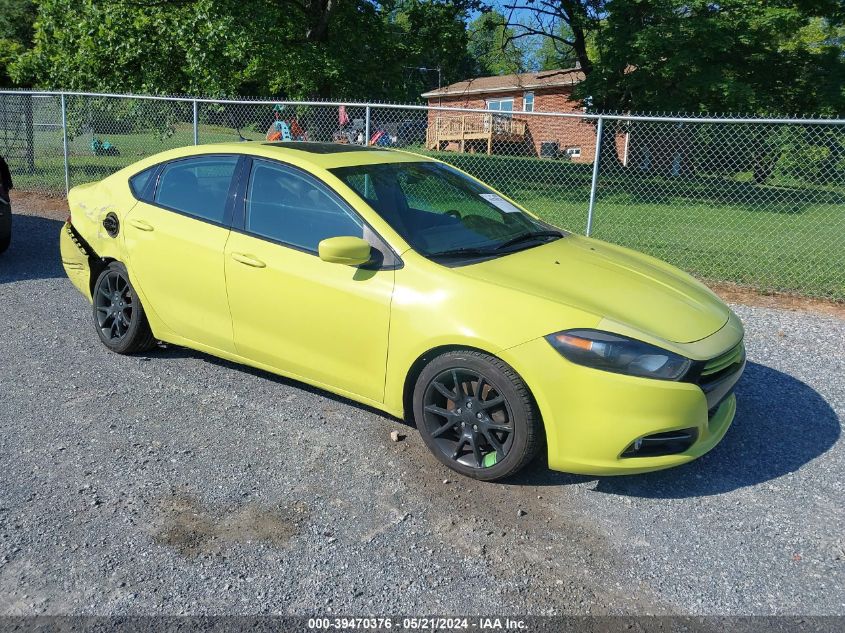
[
  {"x": 306, "y": 155},
  {"x": 323, "y": 155}
]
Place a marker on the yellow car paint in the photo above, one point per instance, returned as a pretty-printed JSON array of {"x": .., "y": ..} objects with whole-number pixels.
[
  {"x": 178, "y": 262},
  {"x": 75, "y": 261},
  {"x": 351, "y": 251},
  {"x": 362, "y": 333},
  {"x": 309, "y": 317},
  {"x": 598, "y": 414}
]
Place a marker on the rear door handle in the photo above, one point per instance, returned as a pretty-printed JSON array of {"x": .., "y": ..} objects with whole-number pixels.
[
  {"x": 141, "y": 225},
  {"x": 248, "y": 260}
]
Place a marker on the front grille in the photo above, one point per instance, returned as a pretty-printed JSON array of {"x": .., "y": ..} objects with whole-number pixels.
[
  {"x": 714, "y": 367},
  {"x": 718, "y": 376}
]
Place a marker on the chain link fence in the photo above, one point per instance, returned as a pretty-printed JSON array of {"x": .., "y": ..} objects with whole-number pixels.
[{"x": 756, "y": 202}]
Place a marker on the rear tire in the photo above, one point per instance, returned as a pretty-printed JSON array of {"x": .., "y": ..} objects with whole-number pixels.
[
  {"x": 118, "y": 314},
  {"x": 477, "y": 415}
]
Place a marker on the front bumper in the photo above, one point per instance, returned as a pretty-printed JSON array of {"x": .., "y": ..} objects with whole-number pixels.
[
  {"x": 75, "y": 259},
  {"x": 594, "y": 419}
]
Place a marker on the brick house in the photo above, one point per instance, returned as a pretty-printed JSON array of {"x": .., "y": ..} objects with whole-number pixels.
[{"x": 504, "y": 130}]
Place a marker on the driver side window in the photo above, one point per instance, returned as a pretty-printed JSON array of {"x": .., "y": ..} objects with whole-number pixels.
[{"x": 288, "y": 206}]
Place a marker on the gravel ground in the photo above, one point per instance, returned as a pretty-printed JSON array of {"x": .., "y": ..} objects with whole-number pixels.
[{"x": 178, "y": 483}]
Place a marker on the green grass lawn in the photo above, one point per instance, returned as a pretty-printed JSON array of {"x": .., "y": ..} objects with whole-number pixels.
[
  {"x": 85, "y": 166},
  {"x": 722, "y": 229},
  {"x": 719, "y": 228}
]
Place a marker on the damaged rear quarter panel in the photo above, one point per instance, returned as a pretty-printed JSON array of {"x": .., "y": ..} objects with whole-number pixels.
[{"x": 90, "y": 204}]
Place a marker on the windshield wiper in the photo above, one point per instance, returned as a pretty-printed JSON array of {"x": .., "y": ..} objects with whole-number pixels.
[
  {"x": 473, "y": 251},
  {"x": 466, "y": 252},
  {"x": 524, "y": 237}
]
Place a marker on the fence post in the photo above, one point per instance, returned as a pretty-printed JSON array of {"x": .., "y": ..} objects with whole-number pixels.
[
  {"x": 29, "y": 131},
  {"x": 367, "y": 126},
  {"x": 64, "y": 145},
  {"x": 196, "y": 124},
  {"x": 594, "y": 184}
]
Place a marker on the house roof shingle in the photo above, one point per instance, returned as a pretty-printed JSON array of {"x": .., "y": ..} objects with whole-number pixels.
[{"x": 507, "y": 83}]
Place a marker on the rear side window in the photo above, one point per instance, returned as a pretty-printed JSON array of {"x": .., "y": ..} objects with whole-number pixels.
[
  {"x": 140, "y": 181},
  {"x": 287, "y": 206},
  {"x": 197, "y": 186}
]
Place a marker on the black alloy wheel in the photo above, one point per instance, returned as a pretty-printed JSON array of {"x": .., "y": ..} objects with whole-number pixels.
[
  {"x": 468, "y": 418},
  {"x": 114, "y": 304},
  {"x": 476, "y": 415},
  {"x": 118, "y": 314}
]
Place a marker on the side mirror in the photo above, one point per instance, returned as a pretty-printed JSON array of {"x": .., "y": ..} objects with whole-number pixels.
[{"x": 352, "y": 251}]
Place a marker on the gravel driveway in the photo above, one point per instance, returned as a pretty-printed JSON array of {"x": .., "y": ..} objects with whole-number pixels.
[{"x": 178, "y": 483}]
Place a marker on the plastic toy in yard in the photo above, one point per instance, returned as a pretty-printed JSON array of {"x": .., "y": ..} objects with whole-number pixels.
[
  {"x": 279, "y": 131},
  {"x": 282, "y": 130},
  {"x": 103, "y": 148},
  {"x": 350, "y": 131},
  {"x": 353, "y": 132},
  {"x": 382, "y": 139}
]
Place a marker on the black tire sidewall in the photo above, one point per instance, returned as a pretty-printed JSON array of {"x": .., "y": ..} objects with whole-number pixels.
[
  {"x": 523, "y": 415},
  {"x": 134, "y": 332}
]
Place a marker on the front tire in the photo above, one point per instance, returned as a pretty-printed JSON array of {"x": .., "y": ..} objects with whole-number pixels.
[
  {"x": 476, "y": 415},
  {"x": 118, "y": 314}
]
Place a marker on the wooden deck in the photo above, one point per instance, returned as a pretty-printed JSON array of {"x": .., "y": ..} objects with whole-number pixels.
[{"x": 469, "y": 130}]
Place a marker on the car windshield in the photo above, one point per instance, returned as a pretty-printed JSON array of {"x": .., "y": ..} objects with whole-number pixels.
[{"x": 441, "y": 212}]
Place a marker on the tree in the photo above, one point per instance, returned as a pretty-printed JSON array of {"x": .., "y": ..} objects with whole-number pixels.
[
  {"x": 17, "y": 18},
  {"x": 285, "y": 48},
  {"x": 735, "y": 56},
  {"x": 492, "y": 46},
  {"x": 567, "y": 23},
  {"x": 551, "y": 54},
  {"x": 731, "y": 56},
  {"x": 432, "y": 40}
]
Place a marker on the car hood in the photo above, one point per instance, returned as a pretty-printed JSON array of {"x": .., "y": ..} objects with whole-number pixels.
[{"x": 611, "y": 282}]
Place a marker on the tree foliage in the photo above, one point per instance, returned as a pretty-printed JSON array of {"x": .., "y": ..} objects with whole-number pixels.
[
  {"x": 492, "y": 46},
  {"x": 782, "y": 56},
  {"x": 737, "y": 56},
  {"x": 552, "y": 53},
  {"x": 288, "y": 48},
  {"x": 17, "y": 18},
  {"x": 749, "y": 56}
]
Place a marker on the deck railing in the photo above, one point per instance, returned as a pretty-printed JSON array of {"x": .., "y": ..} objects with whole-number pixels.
[
  {"x": 471, "y": 124},
  {"x": 475, "y": 126}
]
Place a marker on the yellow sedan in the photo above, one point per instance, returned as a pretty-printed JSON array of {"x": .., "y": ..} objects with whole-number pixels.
[{"x": 405, "y": 284}]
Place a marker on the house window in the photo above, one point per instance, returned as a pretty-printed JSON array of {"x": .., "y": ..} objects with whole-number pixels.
[
  {"x": 528, "y": 102},
  {"x": 501, "y": 105},
  {"x": 573, "y": 152}
]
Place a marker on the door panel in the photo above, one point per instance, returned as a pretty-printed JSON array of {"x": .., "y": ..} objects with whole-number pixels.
[
  {"x": 321, "y": 321},
  {"x": 177, "y": 262}
]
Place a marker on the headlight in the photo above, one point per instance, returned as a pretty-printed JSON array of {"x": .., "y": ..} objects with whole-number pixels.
[{"x": 619, "y": 354}]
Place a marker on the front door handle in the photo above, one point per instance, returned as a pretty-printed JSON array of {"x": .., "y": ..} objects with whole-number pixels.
[
  {"x": 141, "y": 225},
  {"x": 249, "y": 260}
]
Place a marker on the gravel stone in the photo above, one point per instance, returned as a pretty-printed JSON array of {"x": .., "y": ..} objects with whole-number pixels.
[{"x": 179, "y": 483}]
